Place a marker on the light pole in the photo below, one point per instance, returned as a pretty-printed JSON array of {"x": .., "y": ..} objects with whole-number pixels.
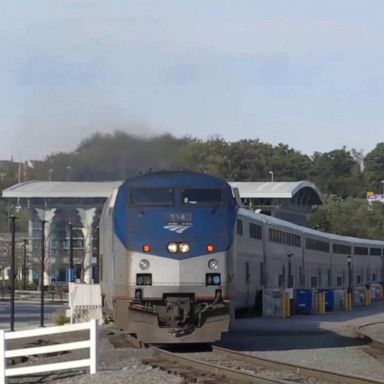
[
  {"x": 71, "y": 273},
  {"x": 290, "y": 277},
  {"x": 382, "y": 196},
  {"x": 271, "y": 173},
  {"x": 25, "y": 265},
  {"x": 42, "y": 267},
  {"x": 50, "y": 174},
  {"x": 349, "y": 274},
  {"x": 97, "y": 271},
  {"x": 13, "y": 233},
  {"x": 68, "y": 173},
  {"x": 382, "y": 270}
]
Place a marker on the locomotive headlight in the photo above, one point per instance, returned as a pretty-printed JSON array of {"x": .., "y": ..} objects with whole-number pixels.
[
  {"x": 184, "y": 247},
  {"x": 213, "y": 264},
  {"x": 144, "y": 264},
  {"x": 172, "y": 247}
]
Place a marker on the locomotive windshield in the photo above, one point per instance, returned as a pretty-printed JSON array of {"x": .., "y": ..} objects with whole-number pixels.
[
  {"x": 152, "y": 196},
  {"x": 206, "y": 196}
]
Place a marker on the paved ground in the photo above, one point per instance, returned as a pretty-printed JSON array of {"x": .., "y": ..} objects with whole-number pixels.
[
  {"x": 338, "y": 327},
  {"x": 27, "y": 314}
]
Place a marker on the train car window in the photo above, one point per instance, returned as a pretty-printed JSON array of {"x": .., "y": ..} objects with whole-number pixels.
[
  {"x": 342, "y": 249},
  {"x": 375, "y": 251},
  {"x": 360, "y": 251},
  {"x": 152, "y": 196},
  {"x": 277, "y": 236},
  {"x": 316, "y": 245},
  {"x": 255, "y": 231},
  {"x": 292, "y": 239},
  {"x": 205, "y": 196}
]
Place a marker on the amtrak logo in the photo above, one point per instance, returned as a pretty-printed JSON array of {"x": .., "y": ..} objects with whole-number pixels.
[{"x": 178, "y": 228}]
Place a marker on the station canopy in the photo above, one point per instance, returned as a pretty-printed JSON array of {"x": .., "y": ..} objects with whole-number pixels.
[
  {"x": 291, "y": 201},
  {"x": 61, "y": 189}
]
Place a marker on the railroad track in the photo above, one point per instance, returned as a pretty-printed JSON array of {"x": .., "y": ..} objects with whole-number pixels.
[{"x": 225, "y": 366}]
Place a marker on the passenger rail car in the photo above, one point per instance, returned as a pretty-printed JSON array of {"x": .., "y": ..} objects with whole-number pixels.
[
  {"x": 276, "y": 254},
  {"x": 165, "y": 243}
]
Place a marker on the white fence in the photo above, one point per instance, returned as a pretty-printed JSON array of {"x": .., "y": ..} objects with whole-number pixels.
[{"x": 90, "y": 343}]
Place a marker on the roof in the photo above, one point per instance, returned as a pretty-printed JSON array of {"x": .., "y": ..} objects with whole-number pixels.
[
  {"x": 61, "y": 189},
  {"x": 273, "y": 190},
  {"x": 90, "y": 189},
  {"x": 306, "y": 230}
]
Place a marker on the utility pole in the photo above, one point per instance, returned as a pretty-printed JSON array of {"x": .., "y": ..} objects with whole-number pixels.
[
  {"x": 25, "y": 265},
  {"x": 42, "y": 273},
  {"x": 97, "y": 272},
  {"x": 71, "y": 269},
  {"x": 13, "y": 232}
]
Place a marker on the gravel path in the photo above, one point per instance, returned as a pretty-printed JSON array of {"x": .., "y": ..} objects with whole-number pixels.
[
  {"x": 117, "y": 365},
  {"x": 355, "y": 361}
]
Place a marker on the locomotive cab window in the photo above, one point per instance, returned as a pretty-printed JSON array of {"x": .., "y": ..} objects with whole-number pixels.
[
  {"x": 202, "y": 196},
  {"x": 151, "y": 196}
]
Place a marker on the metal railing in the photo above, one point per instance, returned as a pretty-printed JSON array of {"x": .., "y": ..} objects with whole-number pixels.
[{"x": 34, "y": 295}]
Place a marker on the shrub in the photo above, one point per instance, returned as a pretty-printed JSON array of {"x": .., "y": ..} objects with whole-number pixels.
[{"x": 59, "y": 317}]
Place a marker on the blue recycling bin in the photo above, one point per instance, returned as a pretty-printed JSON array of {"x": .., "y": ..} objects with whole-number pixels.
[
  {"x": 303, "y": 301},
  {"x": 329, "y": 299}
]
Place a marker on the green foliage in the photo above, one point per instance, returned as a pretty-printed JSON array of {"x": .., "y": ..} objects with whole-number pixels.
[
  {"x": 374, "y": 168},
  {"x": 337, "y": 172},
  {"x": 350, "y": 217},
  {"x": 59, "y": 317}
]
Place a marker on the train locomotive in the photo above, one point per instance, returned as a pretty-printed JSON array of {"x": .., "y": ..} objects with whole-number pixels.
[
  {"x": 179, "y": 256},
  {"x": 165, "y": 240}
]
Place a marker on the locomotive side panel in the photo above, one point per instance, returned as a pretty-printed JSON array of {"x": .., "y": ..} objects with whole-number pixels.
[{"x": 248, "y": 261}]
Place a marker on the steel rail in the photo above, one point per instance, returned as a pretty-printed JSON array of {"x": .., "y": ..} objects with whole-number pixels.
[
  {"x": 307, "y": 372},
  {"x": 205, "y": 369},
  {"x": 375, "y": 342}
]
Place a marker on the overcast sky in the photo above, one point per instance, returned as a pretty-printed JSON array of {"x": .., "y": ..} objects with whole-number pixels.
[{"x": 306, "y": 73}]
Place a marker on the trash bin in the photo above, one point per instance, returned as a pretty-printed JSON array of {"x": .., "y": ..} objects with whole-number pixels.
[
  {"x": 303, "y": 301},
  {"x": 329, "y": 299}
]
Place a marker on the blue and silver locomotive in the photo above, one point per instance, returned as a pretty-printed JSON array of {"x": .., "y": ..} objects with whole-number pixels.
[{"x": 166, "y": 239}]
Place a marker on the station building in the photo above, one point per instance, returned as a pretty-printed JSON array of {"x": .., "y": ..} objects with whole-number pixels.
[{"x": 73, "y": 209}]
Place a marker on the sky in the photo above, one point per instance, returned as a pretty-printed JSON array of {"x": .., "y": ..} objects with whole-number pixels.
[{"x": 306, "y": 73}]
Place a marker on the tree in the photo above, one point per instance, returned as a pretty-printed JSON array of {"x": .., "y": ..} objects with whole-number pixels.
[
  {"x": 337, "y": 172},
  {"x": 374, "y": 168},
  {"x": 350, "y": 217}
]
